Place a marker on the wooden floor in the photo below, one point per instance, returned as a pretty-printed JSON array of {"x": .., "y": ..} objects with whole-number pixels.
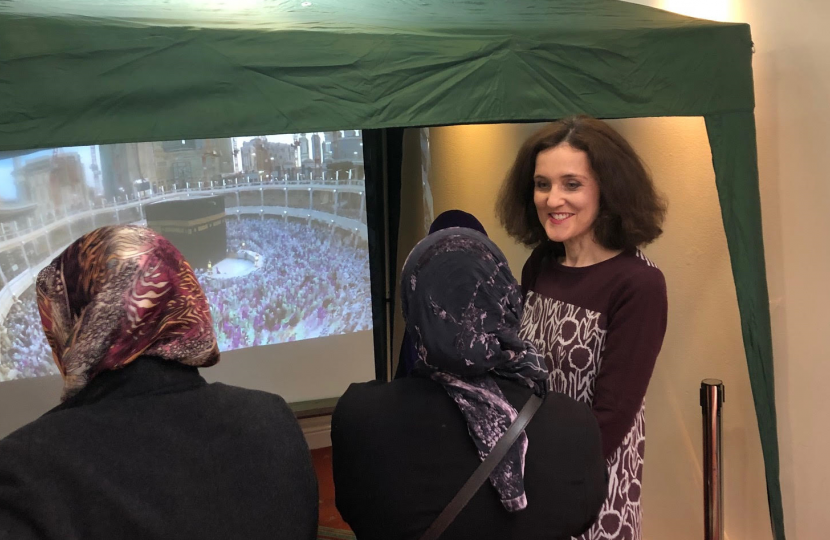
[{"x": 331, "y": 525}]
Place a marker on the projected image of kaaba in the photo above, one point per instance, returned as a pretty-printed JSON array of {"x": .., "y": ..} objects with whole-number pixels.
[
  {"x": 196, "y": 226},
  {"x": 290, "y": 262}
]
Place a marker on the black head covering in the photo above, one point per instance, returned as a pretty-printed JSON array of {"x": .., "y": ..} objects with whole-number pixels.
[
  {"x": 463, "y": 309},
  {"x": 456, "y": 218},
  {"x": 445, "y": 220}
]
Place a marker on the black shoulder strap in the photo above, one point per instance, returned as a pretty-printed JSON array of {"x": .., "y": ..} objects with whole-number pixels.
[{"x": 483, "y": 471}]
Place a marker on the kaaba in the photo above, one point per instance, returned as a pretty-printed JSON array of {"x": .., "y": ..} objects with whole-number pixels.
[{"x": 196, "y": 226}]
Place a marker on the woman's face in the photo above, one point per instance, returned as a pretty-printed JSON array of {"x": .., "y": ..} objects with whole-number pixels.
[{"x": 566, "y": 193}]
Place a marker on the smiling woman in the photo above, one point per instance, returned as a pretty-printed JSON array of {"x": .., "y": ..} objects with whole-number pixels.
[
  {"x": 567, "y": 199},
  {"x": 595, "y": 306},
  {"x": 581, "y": 155}
]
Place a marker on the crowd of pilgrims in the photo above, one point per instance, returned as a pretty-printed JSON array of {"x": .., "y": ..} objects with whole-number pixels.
[
  {"x": 310, "y": 283},
  {"x": 24, "y": 351}
]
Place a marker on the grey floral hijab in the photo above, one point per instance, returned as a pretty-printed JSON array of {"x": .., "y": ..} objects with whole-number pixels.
[{"x": 463, "y": 308}]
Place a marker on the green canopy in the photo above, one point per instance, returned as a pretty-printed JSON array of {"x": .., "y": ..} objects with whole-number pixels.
[
  {"x": 135, "y": 70},
  {"x": 112, "y": 71}
]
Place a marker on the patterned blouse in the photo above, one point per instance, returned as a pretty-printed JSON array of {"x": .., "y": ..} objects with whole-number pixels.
[{"x": 600, "y": 329}]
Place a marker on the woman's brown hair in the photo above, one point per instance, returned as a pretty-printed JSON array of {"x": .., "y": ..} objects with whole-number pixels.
[{"x": 631, "y": 212}]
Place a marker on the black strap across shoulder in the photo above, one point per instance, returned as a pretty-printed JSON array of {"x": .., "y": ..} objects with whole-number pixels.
[{"x": 483, "y": 471}]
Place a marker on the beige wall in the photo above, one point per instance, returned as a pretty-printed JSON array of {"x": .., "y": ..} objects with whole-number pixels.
[
  {"x": 703, "y": 340},
  {"x": 792, "y": 83}
]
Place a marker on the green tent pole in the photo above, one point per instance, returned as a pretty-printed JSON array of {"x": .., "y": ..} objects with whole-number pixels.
[{"x": 735, "y": 158}]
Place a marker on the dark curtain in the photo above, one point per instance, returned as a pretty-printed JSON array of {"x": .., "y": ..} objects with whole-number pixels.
[{"x": 382, "y": 156}]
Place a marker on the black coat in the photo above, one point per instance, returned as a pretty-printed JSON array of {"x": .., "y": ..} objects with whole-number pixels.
[
  {"x": 152, "y": 451},
  {"x": 401, "y": 451}
]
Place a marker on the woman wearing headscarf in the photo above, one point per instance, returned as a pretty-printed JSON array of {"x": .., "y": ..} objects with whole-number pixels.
[
  {"x": 141, "y": 447},
  {"x": 402, "y": 450},
  {"x": 445, "y": 220}
]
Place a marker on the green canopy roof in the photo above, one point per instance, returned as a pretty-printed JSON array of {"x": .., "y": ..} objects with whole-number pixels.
[
  {"x": 136, "y": 70},
  {"x": 87, "y": 72}
]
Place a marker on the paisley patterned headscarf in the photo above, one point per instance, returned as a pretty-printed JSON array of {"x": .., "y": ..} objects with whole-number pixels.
[
  {"x": 463, "y": 308},
  {"x": 117, "y": 293}
]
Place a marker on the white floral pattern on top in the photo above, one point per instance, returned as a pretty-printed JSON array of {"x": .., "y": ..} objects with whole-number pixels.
[{"x": 572, "y": 340}]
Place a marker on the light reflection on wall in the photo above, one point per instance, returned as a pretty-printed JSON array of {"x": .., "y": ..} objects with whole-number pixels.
[{"x": 714, "y": 10}]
